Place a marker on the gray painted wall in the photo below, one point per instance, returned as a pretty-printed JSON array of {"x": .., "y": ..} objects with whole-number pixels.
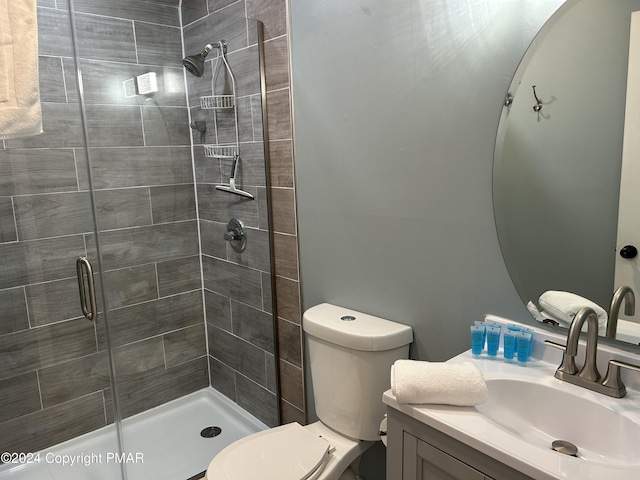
[{"x": 396, "y": 107}]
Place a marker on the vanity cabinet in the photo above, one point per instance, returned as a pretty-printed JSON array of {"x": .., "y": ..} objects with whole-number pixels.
[
  {"x": 422, "y": 461},
  {"x": 416, "y": 451}
]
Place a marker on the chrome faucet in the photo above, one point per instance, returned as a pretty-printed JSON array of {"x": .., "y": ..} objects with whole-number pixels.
[
  {"x": 588, "y": 376},
  {"x": 625, "y": 294}
]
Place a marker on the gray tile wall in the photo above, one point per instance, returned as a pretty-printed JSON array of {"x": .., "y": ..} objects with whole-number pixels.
[
  {"x": 54, "y": 382},
  {"x": 273, "y": 15},
  {"x": 237, "y": 284}
]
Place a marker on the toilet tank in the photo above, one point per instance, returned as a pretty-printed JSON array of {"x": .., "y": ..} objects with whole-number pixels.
[{"x": 350, "y": 356}]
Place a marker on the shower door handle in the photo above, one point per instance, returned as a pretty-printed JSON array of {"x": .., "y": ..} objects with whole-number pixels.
[{"x": 89, "y": 311}]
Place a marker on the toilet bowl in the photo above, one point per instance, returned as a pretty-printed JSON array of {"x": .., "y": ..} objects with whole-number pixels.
[{"x": 350, "y": 355}]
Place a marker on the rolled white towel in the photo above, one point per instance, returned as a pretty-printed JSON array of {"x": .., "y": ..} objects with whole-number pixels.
[
  {"x": 563, "y": 306},
  {"x": 533, "y": 310},
  {"x": 460, "y": 384}
]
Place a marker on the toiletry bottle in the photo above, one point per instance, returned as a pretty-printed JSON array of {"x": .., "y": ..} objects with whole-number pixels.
[
  {"x": 523, "y": 340},
  {"x": 509, "y": 342},
  {"x": 477, "y": 339},
  {"x": 493, "y": 340}
]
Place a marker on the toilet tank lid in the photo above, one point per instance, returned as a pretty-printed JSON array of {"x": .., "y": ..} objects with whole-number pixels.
[{"x": 355, "y": 330}]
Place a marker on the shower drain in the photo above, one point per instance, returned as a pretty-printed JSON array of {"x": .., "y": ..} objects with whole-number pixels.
[
  {"x": 210, "y": 432},
  {"x": 567, "y": 448}
]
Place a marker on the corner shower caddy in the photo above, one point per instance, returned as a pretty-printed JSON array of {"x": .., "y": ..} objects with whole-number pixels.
[{"x": 224, "y": 102}]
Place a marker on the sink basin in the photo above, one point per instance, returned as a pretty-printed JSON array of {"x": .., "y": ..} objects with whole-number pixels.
[
  {"x": 528, "y": 410},
  {"x": 539, "y": 414}
]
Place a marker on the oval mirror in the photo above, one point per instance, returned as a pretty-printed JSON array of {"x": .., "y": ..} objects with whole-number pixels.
[{"x": 558, "y": 155}]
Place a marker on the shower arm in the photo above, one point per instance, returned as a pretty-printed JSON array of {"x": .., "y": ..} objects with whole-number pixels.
[{"x": 221, "y": 45}]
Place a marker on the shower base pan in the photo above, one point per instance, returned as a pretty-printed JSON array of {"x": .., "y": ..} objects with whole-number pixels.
[{"x": 164, "y": 443}]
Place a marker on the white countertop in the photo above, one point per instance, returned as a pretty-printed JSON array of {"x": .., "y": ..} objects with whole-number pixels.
[
  {"x": 628, "y": 331},
  {"x": 469, "y": 426}
]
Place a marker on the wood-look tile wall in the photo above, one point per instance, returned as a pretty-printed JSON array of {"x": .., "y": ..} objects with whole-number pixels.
[
  {"x": 54, "y": 376},
  {"x": 237, "y": 283},
  {"x": 273, "y": 15}
]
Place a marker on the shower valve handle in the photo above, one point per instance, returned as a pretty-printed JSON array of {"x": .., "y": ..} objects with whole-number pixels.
[
  {"x": 235, "y": 231},
  {"x": 234, "y": 234}
]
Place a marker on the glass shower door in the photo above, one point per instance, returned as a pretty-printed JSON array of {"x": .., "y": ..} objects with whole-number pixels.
[
  {"x": 112, "y": 181},
  {"x": 139, "y": 150},
  {"x": 56, "y": 402},
  {"x": 154, "y": 250},
  {"x": 55, "y": 380}
]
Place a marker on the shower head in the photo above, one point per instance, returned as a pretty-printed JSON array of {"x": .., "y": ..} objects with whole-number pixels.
[{"x": 195, "y": 63}]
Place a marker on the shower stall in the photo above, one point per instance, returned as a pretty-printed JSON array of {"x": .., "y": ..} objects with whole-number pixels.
[{"x": 119, "y": 190}]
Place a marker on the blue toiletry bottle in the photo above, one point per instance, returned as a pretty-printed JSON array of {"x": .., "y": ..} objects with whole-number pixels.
[
  {"x": 523, "y": 340},
  {"x": 477, "y": 339},
  {"x": 484, "y": 331},
  {"x": 493, "y": 340},
  {"x": 509, "y": 342}
]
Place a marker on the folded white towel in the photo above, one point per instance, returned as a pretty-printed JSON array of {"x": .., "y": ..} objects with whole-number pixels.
[
  {"x": 20, "y": 110},
  {"x": 563, "y": 306},
  {"x": 460, "y": 384},
  {"x": 533, "y": 310}
]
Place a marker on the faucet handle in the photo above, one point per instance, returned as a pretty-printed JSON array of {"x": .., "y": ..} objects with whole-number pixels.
[
  {"x": 568, "y": 364},
  {"x": 613, "y": 380},
  {"x": 559, "y": 346}
]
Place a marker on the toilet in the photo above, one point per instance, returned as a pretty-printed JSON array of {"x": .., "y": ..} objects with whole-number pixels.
[{"x": 350, "y": 355}]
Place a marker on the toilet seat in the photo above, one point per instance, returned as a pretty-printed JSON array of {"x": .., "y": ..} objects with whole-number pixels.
[{"x": 288, "y": 452}]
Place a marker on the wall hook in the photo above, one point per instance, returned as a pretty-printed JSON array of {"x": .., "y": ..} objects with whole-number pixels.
[{"x": 538, "y": 106}]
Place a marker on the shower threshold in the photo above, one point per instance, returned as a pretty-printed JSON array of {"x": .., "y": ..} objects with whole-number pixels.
[{"x": 163, "y": 443}]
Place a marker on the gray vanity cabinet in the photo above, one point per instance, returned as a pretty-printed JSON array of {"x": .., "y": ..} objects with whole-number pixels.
[
  {"x": 416, "y": 451},
  {"x": 421, "y": 461}
]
